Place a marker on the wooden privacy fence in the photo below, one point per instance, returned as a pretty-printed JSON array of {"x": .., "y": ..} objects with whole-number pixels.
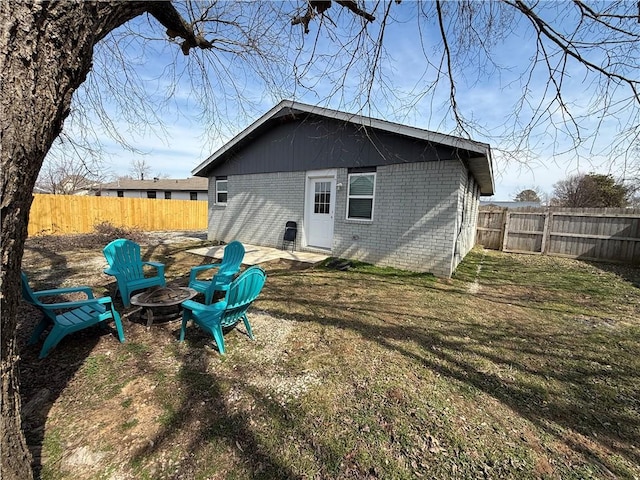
[
  {"x": 588, "y": 233},
  {"x": 62, "y": 214}
]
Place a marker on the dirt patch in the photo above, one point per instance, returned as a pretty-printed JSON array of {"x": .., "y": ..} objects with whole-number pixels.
[{"x": 283, "y": 387}]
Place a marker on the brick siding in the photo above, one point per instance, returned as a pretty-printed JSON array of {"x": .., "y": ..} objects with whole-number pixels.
[{"x": 416, "y": 222}]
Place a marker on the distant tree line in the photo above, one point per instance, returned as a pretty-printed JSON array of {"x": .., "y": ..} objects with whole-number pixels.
[
  {"x": 591, "y": 190},
  {"x": 528, "y": 195}
]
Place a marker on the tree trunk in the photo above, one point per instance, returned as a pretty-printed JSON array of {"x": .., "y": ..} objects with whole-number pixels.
[{"x": 46, "y": 52}]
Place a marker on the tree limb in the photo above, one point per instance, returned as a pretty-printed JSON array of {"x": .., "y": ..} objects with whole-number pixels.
[
  {"x": 447, "y": 55},
  {"x": 318, "y": 7},
  {"x": 176, "y": 26},
  {"x": 353, "y": 6}
]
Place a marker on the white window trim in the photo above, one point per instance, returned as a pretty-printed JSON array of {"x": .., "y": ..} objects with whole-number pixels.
[
  {"x": 372, "y": 196},
  {"x": 223, "y": 191}
]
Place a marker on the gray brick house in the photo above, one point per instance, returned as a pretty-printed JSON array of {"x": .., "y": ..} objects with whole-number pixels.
[{"x": 358, "y": 188}]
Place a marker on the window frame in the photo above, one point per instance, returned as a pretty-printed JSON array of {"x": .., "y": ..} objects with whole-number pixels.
[
  {"x": 167, "y": 195},
  {"x": 152, "y": 194},
  {"x": 372, "y": 197},
  {"x": 218, "y": 191},
  {"x": 193, "y": 196}
]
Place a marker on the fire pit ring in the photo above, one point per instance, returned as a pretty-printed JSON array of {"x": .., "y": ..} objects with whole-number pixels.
[{"x": 161, "y": 299}]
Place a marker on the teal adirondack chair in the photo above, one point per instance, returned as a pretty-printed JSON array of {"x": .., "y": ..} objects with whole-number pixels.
[
  {"x": 125, "y": 263},
  {"x": 228, "y": 312},
  {"x": 68, "y": 317},
  {"x": 230, "y": 265}
]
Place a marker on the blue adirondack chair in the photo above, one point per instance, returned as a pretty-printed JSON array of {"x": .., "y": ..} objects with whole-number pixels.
[
  {"x": 68, "y": 317},
  {"x": 228, "y": 312},
  {"x": 125, "y": 263},
  {"x": 230, "y": 265}
]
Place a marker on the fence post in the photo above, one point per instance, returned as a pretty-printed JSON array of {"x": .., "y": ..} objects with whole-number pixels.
[
  {"x": 506, "y": 230},
  {"x": 545, "y": 232}
]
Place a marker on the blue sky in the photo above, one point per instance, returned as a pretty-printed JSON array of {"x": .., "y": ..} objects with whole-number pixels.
[{"x": 239, "y": 95}]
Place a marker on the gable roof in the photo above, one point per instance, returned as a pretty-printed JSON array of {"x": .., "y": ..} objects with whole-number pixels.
[
  {"x": 480, "y": 166},
  {"x": 191, "y": 184}
]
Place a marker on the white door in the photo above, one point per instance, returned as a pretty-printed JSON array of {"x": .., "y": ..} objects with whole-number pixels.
[{"x": 321, "y": 202}]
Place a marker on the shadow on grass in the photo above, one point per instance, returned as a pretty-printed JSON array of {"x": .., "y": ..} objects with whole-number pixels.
[
  {"x": 564, "y": 382},
  {"x": 519, "y": 298},
  {"x": 199, "y": 419},
  {"x": 583, "y": 394},
  {"x": 506, "y": 269},
  {"x": 570, "y": 376},
  {"x": 43, "y": 380},
  {"x": 629, "y": 273},
  {"x": 203, "y": 419}
]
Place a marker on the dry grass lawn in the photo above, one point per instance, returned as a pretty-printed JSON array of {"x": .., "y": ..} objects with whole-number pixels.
[{"x": 518, "y": 367}]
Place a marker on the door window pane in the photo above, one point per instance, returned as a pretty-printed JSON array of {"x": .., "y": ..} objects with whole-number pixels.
[{"x": 322, "y": 199}]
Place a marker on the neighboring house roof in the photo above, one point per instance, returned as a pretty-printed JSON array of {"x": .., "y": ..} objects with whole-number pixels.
[
  {"x": 508, "y": 204},
  {"x": 168, "y": 184},
  {"x": 481, "y": 166}
]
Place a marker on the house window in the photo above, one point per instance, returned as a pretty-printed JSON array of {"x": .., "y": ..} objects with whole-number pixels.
[
  {"x": 120, "y": 193},
  {"x": 221, "y": 190},
  {"x": 193, "y": 195},
  {"x": 167, "y": 195},
  {"x": 151, "y": 194},
  {"x": 360, "y": 196}
]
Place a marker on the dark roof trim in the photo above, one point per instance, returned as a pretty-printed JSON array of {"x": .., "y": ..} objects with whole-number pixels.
[{"x": 481, "y": 167}]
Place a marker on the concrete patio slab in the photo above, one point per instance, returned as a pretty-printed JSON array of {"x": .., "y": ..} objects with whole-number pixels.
[{"x": 255, "y": 254}]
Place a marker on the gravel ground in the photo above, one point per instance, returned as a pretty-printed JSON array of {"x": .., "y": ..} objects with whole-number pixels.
[{"x": 176, "y": 237}]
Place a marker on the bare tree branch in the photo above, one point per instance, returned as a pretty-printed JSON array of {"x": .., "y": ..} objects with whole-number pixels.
[
  {"x": 318, "y": 7},
  {"x": 176, "y": 26},
  {"x": 353, "y": 7},
  {"x": 450, "y": 73},
  {"x": 568, "y": 47}
]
